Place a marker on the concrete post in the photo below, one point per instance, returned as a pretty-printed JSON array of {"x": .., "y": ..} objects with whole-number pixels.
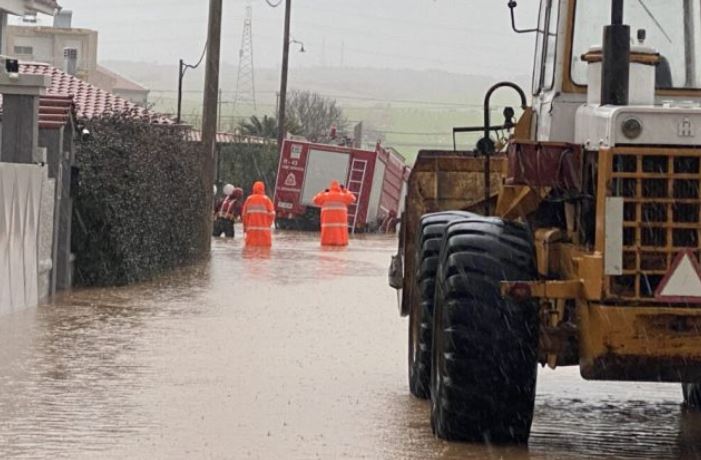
[
  {"x": 64, "y": 262},
  {"x": 3, "y": 33}
]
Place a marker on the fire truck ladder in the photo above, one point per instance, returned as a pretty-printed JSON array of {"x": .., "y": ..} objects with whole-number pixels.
[{"x": 356, "y": 179}]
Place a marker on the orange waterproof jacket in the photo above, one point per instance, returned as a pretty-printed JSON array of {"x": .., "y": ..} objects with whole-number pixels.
[
  {"x": 334, "y": 215},
  {"x": 258, "y": 215}
]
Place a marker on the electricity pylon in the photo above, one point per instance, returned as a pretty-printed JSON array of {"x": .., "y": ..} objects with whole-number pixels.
[{"x": 245, "y": 83}]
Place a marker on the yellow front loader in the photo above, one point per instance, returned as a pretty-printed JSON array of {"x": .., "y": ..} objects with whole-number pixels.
[{"x": 577, "y": 242}]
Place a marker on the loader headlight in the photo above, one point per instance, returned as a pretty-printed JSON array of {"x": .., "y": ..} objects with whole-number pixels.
[{"x": 632, "y": 128}]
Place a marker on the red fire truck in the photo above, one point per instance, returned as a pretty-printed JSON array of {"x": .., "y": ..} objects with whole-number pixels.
[{"x": 377, "y": 178}]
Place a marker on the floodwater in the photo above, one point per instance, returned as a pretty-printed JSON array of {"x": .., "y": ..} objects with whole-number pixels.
[{"x": 294, "y": 353}]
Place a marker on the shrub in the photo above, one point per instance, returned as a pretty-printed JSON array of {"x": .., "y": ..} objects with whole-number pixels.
[
  {"x": 141, "y": 207},
  {"x": 243, "y": 164}
]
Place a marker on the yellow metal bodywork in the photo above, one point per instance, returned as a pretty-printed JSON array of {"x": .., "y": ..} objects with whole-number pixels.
[
  {"x": 639, "y": 343},
  {"x": 633, "y": 338},
  {"x": 582, "y": 321}
]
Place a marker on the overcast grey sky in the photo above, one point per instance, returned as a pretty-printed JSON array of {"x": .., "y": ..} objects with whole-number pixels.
[{"x": 464, "y": 36}]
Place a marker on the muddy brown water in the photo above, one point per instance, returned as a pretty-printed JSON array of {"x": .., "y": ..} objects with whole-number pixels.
[{"x": 293, "y": 353}]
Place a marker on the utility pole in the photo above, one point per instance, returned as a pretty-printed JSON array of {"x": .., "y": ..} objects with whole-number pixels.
[
  {"x": 220, "y": 111},
  {"x": 211, "y": 93},
  {"x": 181, "y": 74},
  {"x": 283, "y": 78}
]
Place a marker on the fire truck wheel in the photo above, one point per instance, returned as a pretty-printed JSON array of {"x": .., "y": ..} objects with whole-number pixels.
[
  {"x": 692, "y": 396},
  {"x": 430, "y": 231},
  {"x": 483, "y": 376}
]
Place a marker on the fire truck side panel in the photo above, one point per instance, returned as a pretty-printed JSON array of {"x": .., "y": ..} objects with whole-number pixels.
[
  {"x": 376, "y": 195},
  {"x": 377, "y": 179},
  {"x": 290, "y": 179},
  {"x": 392, "y": 186}
]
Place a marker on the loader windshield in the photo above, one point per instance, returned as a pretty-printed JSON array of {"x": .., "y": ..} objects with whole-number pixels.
[{"x": 672, "y": 27}]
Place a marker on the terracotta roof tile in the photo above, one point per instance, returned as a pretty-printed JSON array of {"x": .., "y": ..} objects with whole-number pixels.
[
  {"x": 89, "y": 100},
  {"x": 55, "y": 111}
]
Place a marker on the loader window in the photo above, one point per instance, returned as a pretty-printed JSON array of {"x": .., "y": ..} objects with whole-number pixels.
[
  {"x": 538, "y": 60},
  {"x": 550, "y": 52},
  {"x": 673, "y": 28},
  {"x": 546, "y": 46}
]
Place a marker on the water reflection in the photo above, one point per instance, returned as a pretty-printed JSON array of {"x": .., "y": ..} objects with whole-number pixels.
[{"x": 294, "y": 352}]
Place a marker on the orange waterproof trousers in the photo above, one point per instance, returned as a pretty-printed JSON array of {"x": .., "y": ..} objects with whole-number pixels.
[
  {"x": 258, "y": 215},
  {"x": 334, "y": 215}
]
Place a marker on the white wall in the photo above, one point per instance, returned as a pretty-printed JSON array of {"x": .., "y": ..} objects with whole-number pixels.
[{"x": 20, "y": 195}]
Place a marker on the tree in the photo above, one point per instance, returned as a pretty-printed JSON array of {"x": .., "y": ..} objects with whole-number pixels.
[
  {"x": 267, "y": 126},
  {"x": 263, "y": 127},
  {"x": 315, "y": 114}
]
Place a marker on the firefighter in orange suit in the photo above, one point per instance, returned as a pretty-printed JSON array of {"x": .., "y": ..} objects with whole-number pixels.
[
  {"x": 258, "y": 216},
  {"x": 334, "y": 215}
]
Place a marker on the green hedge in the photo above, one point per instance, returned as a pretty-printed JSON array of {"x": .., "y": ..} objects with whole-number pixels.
[
  {"x": 243, "y": 164},
  {"x": 141, "y": 207}
]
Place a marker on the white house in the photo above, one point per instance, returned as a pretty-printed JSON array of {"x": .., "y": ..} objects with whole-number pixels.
[
  {"x": 25, "y": 258},
  {"x": 23, "y": 8}
]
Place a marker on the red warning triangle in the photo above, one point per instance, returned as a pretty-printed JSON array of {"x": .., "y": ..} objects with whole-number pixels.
[
  {"x": 682, "y": 284},
  {"x": 291, "y": 180}
]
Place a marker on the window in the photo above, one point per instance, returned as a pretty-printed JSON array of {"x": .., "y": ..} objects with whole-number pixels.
[
  {"x": 551, "y": 46},
  {"x": 538, "y": 60},
  {"x": 672, "y": 27},
  {"x": 546, "y": 46},
  {"x": 24, "y": 50}
]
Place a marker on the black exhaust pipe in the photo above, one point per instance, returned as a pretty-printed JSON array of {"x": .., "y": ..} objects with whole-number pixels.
[{"x": 615, "y": 72}]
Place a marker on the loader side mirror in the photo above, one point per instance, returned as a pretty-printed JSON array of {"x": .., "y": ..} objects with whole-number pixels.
[
  {"x": 509, "y": 118},
  {"x": 512, "y": 7}
]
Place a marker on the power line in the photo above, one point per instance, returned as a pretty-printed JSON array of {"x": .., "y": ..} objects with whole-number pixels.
[
  {"x": 182, "y": 70},
  {"x": 406, "y": 133},
  {"x": 355, "y": 98},
  {"x": 189, "y": 66}
]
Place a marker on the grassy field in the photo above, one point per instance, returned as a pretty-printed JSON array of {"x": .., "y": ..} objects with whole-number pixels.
[
  {"x": 408, "y": 109},
  {"x": 406, "y": 128}
]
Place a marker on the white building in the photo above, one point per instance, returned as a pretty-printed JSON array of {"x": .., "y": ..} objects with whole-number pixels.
[
  {"x": 73, "y": 50},
  {"x": 23, "y": 8}
]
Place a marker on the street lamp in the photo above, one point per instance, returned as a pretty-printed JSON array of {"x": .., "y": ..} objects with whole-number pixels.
[{"x": 301, "y": 45}]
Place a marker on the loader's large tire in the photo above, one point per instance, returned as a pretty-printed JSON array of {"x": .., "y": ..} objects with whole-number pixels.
[
  {"x": 484, "y": 371},
  {"x": 692, "y": 396},
  {"x": 430, "y": 233}
]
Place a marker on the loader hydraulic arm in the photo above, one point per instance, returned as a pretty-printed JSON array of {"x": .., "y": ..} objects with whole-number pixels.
[{"x": 486, "y": 146}]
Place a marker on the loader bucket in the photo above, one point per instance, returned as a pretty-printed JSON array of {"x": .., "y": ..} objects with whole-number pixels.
[{"x": 441, "y": 181}]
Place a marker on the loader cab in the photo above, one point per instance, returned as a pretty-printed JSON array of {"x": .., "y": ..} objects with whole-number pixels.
[{"x": 569, "y": 29}]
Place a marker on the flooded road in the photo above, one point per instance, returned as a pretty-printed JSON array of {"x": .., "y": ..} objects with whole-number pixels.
[{"x": 294, "y": 353}]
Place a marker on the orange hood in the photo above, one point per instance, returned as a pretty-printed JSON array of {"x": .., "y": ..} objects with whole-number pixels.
[
  {"x": 334, "y": 187},
  {"x": 259, "y": 188}
]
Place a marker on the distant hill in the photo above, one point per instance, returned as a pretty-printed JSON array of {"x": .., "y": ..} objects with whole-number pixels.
[
  {"x": 407, "y": 109},
  {"x": 359, "y": 85}
]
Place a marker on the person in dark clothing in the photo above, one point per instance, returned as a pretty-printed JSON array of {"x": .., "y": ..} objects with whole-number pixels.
[{"x": 226, "y": 211}]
